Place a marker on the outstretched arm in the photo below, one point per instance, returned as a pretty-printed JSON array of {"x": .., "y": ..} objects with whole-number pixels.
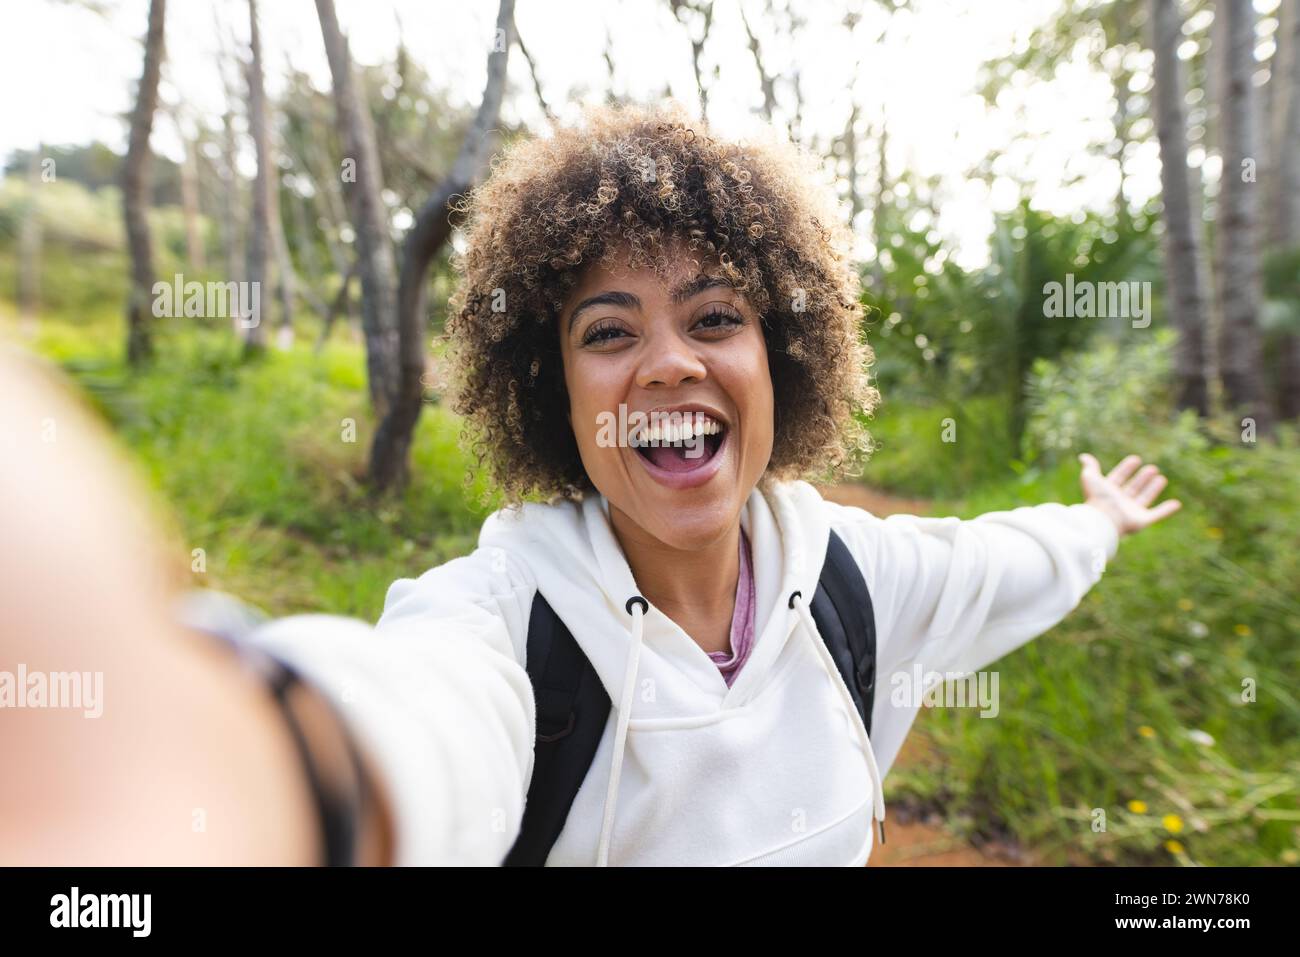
[
  {"x": 953, "y": 596},
  {"x": 172, "y": 754}
]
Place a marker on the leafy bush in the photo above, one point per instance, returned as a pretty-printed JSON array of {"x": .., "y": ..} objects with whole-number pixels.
[{"x": 939, "y": 450}]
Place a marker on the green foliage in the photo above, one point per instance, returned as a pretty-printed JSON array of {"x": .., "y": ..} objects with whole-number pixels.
[
  {"x": 1280, "y": 315},
  {"x": 939, "y": 451},
  {"x": 72, "y": 217},
  {"x": 1101, "y": 397},
  {"x": 941, "y": 333},
  {"x": 1140, "y": 695}
]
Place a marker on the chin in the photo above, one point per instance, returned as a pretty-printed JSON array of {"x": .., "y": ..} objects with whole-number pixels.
[
  {"x": 687, "y": 519},
  {"x": 691, "y": 529}
]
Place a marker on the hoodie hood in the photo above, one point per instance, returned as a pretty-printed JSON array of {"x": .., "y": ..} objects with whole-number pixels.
[{"x": 649, "y": 666}]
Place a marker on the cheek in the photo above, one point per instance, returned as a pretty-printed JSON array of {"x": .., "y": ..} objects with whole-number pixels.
[
  {"x": 594, "y": 388},
  {"x": 749, "y": 380}
]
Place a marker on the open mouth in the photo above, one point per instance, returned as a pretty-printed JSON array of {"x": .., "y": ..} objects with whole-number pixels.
[{"x": 681, "y": 448}]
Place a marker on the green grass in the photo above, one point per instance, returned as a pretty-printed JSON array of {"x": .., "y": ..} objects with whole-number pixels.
[
  {"x": 1111, "y": 707},
  {"x": 255, "y": 461}
]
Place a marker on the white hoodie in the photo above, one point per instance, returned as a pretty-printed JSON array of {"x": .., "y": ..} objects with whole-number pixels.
[{"x": 777, "y": 769}]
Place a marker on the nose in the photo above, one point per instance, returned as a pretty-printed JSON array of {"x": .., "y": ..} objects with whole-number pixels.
[{"x": 670, "y": 361}]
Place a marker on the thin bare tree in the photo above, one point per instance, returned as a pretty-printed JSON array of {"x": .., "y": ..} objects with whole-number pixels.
[
  {"x": 136, "y": 188},
  {"x": 686, "y": 11},
  {"x": 1237, "y": 223},
  {"x": 765, "y": 79},
  {"x": 537, "y": 83},
  {"x": 389, "y": 458},
  {"x": 1283, "y": 229},
  {"x": 259, "y": 237},
  {"x": 189, "y": 170},
  {"x": 362, "y": 179},
  {"x": 232, "y": 191},
  {"x": 1183, "y": 258}
]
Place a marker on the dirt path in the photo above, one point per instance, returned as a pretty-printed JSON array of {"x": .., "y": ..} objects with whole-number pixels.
[
  {"x": 873, "y": 500},
  {"x": 916, "y": 839},
  {"x": 913, "y": 840}
]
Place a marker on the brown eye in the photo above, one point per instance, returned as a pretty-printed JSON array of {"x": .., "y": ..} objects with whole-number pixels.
[
  {"x": 719, "y": 317},
  {"x": 603, "y": 331}
]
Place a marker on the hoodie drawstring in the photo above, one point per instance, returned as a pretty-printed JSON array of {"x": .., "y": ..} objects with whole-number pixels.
[
  {"x": 819, "y": 646},
  {"x": 636, "y": 607}
]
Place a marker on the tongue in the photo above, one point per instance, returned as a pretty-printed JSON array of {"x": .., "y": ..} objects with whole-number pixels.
[{"x": 673, "y": 458}]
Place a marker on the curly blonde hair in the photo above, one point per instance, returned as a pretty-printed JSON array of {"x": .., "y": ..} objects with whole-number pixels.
[{"x": 633, "y": 180}]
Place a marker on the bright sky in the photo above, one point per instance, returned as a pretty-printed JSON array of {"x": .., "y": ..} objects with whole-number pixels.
[{"x": 69, "y": 76}]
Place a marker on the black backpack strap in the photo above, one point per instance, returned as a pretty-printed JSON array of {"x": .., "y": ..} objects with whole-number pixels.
[
  {"x": 847, "y": 622},
  {"x": 572, "y": 710}
]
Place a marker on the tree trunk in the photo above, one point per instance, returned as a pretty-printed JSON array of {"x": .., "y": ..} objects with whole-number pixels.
[
  {"x": 878, "y": 226},
  {"x": 1284, "y": 201},
  {"x": 135, "y": 191},
  {"x": 682, "y": 9},
  {"x": 259, "y": 239},
  {"x": 1183, "y": 261},
  {"x": 1122, "y": 137},
  {"x": 232, "y": 219},
  {"x": 190, "y": 201},
  {"x": 361, "y": 176},
  {"x": 1238, "y": 219},
  {"x": 232, "y": 212},
  {"x": 850, "y": 140},
  {"x": 389, "y": 456},
  {"x": 286, "y": 278}
]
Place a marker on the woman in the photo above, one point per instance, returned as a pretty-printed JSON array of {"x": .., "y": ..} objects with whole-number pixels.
[{"x": 658, "y": 332}]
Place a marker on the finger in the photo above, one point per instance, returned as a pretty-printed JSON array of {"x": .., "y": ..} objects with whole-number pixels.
[
  {"x": 1127, "y": 466},
  {"x": 1163, "y": 510},
  {"x": 1151, "y": 491},
  {"x": 1140, "y": 480}
]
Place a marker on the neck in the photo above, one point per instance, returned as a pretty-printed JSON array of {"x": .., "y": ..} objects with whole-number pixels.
[{"x": 688, "y": 585}]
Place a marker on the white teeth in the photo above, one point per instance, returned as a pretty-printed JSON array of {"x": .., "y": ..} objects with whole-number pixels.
[{"x": 666, "y": 433}]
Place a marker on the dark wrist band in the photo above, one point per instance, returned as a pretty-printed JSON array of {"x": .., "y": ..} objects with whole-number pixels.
[
  {"x": 339, "y": 813},
  {"x": 339, "y": 810}
]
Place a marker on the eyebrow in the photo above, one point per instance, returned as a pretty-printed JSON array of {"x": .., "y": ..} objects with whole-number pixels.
[{"x": 626, "y": 300}]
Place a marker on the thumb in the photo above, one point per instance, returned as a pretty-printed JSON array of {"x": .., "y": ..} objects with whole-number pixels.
[{"x": 1090, "y": 477}]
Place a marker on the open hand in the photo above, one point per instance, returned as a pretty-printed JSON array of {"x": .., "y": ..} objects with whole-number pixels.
[{"x": 1125, "y": 495}]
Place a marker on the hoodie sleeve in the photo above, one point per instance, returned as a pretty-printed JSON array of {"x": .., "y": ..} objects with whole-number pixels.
[
  {"x": 954, "y": 596},
  {"x": 437, "y": 695}
]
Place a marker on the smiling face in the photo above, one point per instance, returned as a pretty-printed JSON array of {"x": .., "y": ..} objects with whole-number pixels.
[{"x": 687, "y": 343}]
